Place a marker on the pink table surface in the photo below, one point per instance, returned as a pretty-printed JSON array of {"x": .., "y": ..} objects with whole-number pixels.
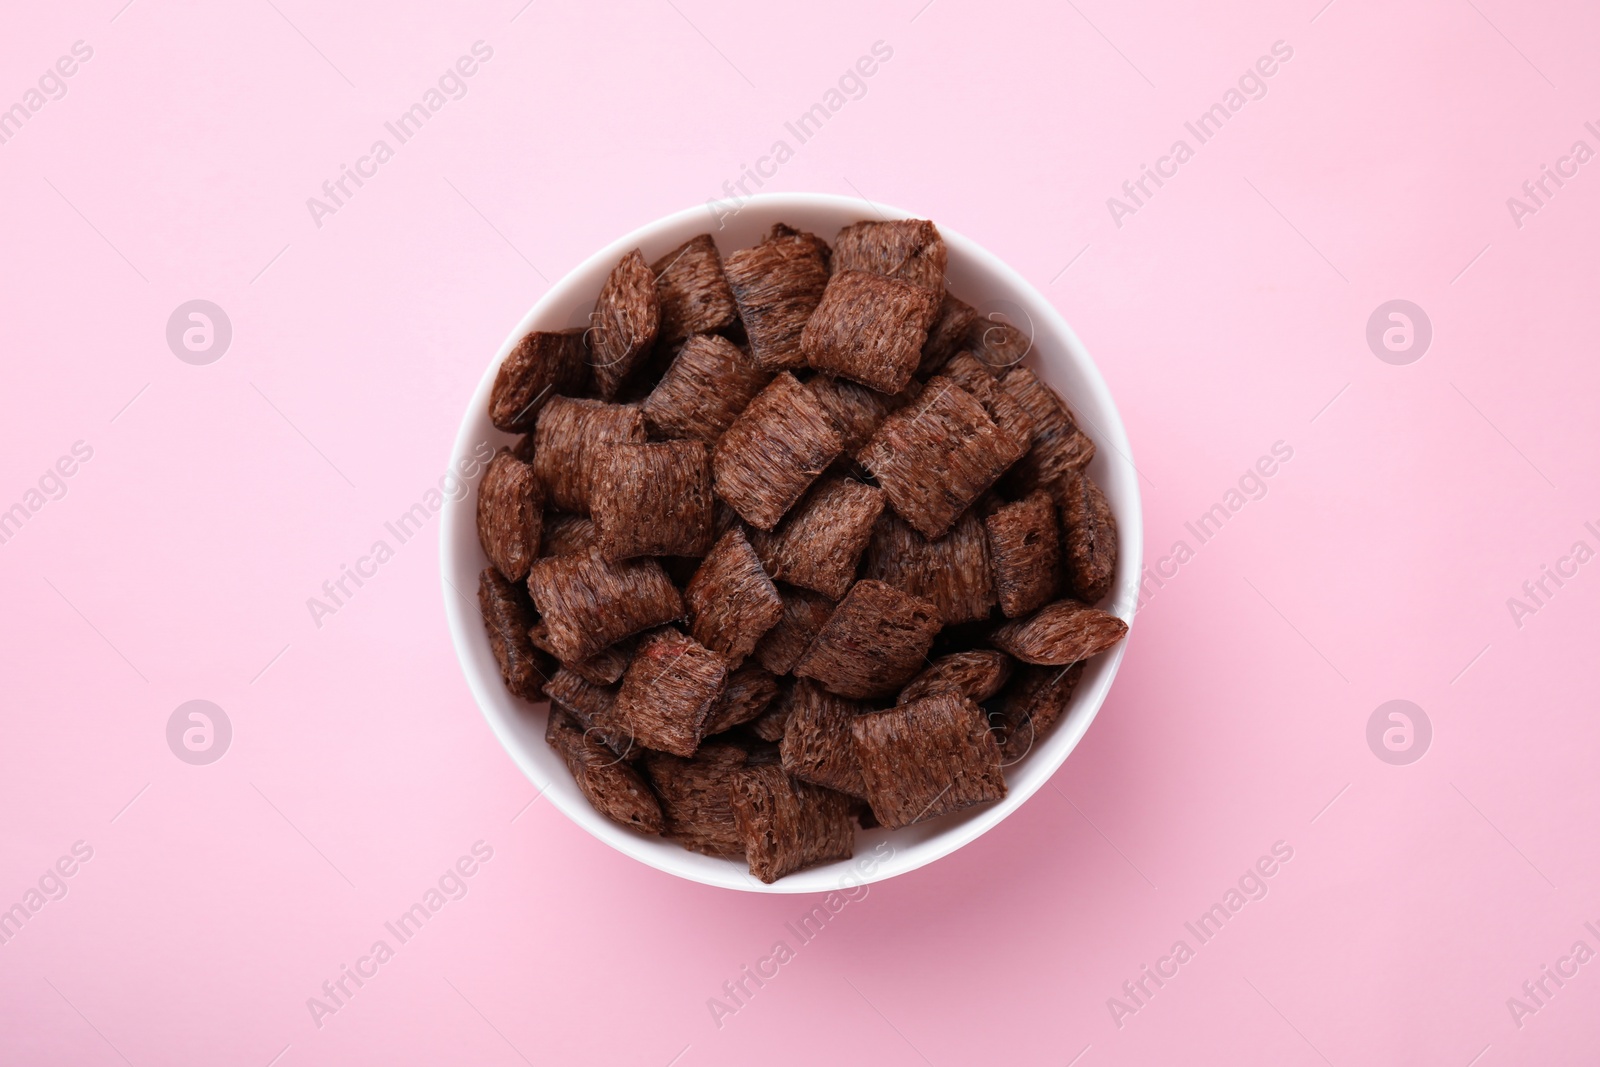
[{"x": 1422, "y": 902}]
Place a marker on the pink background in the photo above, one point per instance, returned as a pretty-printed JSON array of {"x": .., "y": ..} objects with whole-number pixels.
[{"x": 1227, "y": 314}]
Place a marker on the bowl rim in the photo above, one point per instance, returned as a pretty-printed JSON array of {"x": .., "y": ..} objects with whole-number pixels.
[{"x": 929, "y": 841}]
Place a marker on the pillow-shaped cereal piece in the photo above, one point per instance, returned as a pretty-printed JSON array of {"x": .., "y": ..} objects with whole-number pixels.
[
  {"x": 510, "y": 515},
  {"x": 507, "y": 615},
  {"x": 626, "y": 319},
  {"x": 908, "y": 249},
  {"x": 927, "y": 758},
  {"x": 976, "y": 675},
  {"x": 614, "y": 788},
  {"x": 774, "y": 451},
  {"x": 873, "y": 643},
  {"x": 707, "y": 385},
  {"x": 732, "y": 603},
  {"x": 817, "y": 744},
  {"x": 542, "y": 365},
  {"x": 870, "y": 329},
  {"x": 777, "y": 285},
  {"x": 788, "y": 825},
  {"x": 1090, "y": 536},
  {"x": 954, "y": 572},
  {"x": 696, "y": 797},
  {"x": 692, "y": 291},
  {"x": 938, "y": 454},
  {"x": 1025, "y": 547},
  {"x": 1060, "y": 633},
  {"x": 819, "y": 543},
  {"x": 804, "y": 612},
  {"x": 568, "y": 441},
  {"x": 668, "y": 691},
  {"x": 653, "y": 499},
  {"x": 589, "y": 603}
]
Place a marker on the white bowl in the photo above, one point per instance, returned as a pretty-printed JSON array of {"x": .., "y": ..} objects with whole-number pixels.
[{"x": 1058, "y": 357}]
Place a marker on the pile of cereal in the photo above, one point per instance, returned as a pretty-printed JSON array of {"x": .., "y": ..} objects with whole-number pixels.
[{"x": 792, "y": 543}]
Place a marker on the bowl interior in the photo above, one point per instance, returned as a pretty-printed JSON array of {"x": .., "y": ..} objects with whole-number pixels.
[{"x": 1057, "y": 357}]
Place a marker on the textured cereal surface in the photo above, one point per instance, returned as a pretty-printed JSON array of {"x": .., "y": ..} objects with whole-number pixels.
[
  {"x": 668, "y": 691},
  {"x": 1025, "y": 548},
  {"x": 614, "y": 788},
  {"x": 927, "y": 758},
  {"x": 588, "y": 603},
  {"x": 787, "y": 825},
  {"x": 708, "y": 384},
  {"x": 819, "y": 543},
  {"x": 1058, "y": 444},
  {"x": 568, "y": 441},
  {"x": 804, "y": 612},
  {"x": 1060, "y": 633},
  {"x": 873, "y": 643},
  {"x": 997, "y": 343},
  {"x": 1091, "y": 536},
  {"x": 771, "y": 724},
  {"x": 870, "y": 329},
  {"x": 948, "y": 334},
  {"x": 594, "y": 707},
  {"x": 653, "y": 499},
  {"x": 938, "y": 454},
  {"x": 817, "y": 744},
  {"x": 627, "y": 317},
  {"x": 605, "y": 667},
  {"x": 823, "y": 249},
  {"x": 954, "y": 572},
  {"x": 976, "y": 675},
  {"x": 1034, "y": 701},
  {"x": 566, "y": 534},
  {"x": 910, "y": 250},
  {"x": 774, "y": 451},
  {"x": 507, "y": 614},
  {"x": 855, "y": 410},
  {"x": 542, "y": 365},
  {"x": 750, "y": 691},
  {"x": 697, "y": 799},
  {"x": 732, "y": 603},
  {"x": 777, "y": 285},
  {"x": 692, "y": 291},
  {"x": 1002, "y": 407},
  {"x": 510, "y": 515}
]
